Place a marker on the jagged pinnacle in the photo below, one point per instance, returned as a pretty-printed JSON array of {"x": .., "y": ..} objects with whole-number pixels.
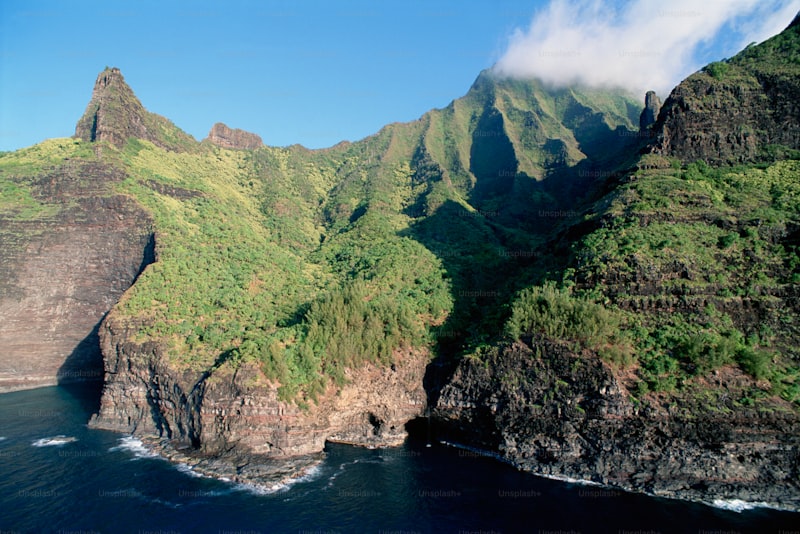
[{"x": 115, "y": 115}]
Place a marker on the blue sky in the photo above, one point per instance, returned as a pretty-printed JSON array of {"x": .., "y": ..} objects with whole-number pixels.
[{"x": 316, "y": 73}]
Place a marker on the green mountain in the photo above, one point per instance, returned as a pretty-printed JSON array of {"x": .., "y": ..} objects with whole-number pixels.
[
  {"x": 524, "y": 266},
  {"x": 418, "y": 221}
]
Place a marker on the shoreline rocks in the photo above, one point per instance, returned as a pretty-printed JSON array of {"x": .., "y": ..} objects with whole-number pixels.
[{"x": 563, "y": 414}]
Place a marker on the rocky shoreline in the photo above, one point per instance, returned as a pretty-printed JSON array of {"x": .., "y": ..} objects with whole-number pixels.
[
  {"x": 264, "y": 474},
  {"x": 609, "y": 490},
  {"x": 261, "y": 472},
  {"x": 567, "y": 415},
  {"x": 536, "y": 405}
]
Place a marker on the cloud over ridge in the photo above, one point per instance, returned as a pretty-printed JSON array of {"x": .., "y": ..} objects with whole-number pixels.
[{"x": 635, "y": 44}]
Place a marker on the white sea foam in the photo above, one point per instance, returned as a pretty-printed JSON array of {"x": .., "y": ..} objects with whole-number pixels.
[
  {"x": 734, "y": 505},
  {"x": 259, "y": 489},
  {"x": 263, "y": 489},
  {"x": 341, "y": 469},
  {"x": 737, "y": 505},
  {"x": 189, "y": 470},
  {"x": 569, "y": 480},
  {"x": 135, "y": 446},
  {"x": 54, "y": 441},
  {"x": 169, "y": 504},
  {"x": 496, "y": 456}
]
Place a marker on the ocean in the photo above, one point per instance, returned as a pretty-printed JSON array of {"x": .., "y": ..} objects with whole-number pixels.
[{"x": 57, "y": 475}]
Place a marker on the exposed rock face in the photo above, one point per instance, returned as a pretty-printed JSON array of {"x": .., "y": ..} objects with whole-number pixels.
[
  {"x": 115, "y": 114},
  {"x": 60, "y": 274},
  {"x": 223, "y": 410},
  {"x": 554, "y": 412},
  {"x": 652, "y": 105},
  {"x": 225, "y": 137},
  {"x": 734, "y": 111}
]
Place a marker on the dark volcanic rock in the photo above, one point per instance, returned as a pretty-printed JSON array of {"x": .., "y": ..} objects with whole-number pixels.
[
  {"x": 735, "y": 111},
  {"x": 60, "y": 275},
  {"x": 553, "y": 412},
  {"x": 225, "y": 137},
  {"x": 215, "y": 412},
  {"x": 652, "y": 105}
]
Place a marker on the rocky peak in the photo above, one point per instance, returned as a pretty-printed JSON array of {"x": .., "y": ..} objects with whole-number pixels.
[
  {"x": 652, "y": 105},
  {"x": 115, "y": 114},
  {"x": 225, "y": 137},
  {"x": 110, "y": 77}
]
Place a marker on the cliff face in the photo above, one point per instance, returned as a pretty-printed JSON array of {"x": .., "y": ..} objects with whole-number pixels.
[
  {"x": 657, "y": 249},
  {"x": 225, "y": 137},
  {"x": 549, "y": 410},
  {"x": 739, "y": 110},
  {"x": 224, "y": 409},
  {"x": 62, "y": 271},
  {"x": 652, "y": 105},
  {"x": 311, "y": 268}
]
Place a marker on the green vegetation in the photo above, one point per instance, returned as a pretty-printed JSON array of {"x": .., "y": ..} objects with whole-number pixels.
[
  {"x": 512, "y": 213},
  {"x": 558, "y": 314},
  {"x": 700, "y": 248},
  {"x": 309, "y": 262},
  {"x": 255, "y": 266},
  {"x": 19, "y": 197},
  {"x": 717, "y": 70}
]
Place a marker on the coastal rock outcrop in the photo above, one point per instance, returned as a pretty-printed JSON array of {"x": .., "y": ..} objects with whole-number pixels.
[
  {"x": 209, "y": 414},
  {"x": 225, "y": 137},
  {"x": 555, "y": 412}
]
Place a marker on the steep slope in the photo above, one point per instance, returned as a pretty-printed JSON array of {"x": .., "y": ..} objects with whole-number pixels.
[
  {"x": 740, "y": 110},
  {"x": 114, "y": 115},
  {"x": 71, "y": 246},
  {"x": 664, "y": 357},
  {"x": 303, "y": 276}
]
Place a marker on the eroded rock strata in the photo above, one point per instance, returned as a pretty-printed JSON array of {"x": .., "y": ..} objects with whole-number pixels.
[
  {"x": 220, "y": 417},
  {"x": 61, "y": 272},
  {"x": 735, "y": 111},
  {"x": 225, "y": 137}
]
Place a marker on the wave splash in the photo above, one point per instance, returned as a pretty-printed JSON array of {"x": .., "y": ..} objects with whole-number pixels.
[
  {"x": 135, "y": 446},
  {"x": 262, "y": 489},
  {"x": 54, "y": 441}
]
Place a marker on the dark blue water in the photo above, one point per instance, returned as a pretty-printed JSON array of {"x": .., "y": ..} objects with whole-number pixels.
[{"x": 95, "y": 481}]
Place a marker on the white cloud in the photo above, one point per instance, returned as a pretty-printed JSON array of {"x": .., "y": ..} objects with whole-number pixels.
[{"x": 639, "y": 45}]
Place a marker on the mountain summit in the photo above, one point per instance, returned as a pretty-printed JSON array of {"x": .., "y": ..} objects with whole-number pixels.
[{"x": 115, "y": 114}]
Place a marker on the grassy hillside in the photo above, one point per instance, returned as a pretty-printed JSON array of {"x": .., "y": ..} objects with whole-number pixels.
[
  {"x": 510, "y": 213},
  {"x": 309, "y": 262},
  {"x": 689, "y": 270}
]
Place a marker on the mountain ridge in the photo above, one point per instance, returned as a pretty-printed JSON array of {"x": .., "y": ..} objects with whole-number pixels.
[
  {"x": 763, "y": 80},
  {"x": 521, "y": 266}
]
